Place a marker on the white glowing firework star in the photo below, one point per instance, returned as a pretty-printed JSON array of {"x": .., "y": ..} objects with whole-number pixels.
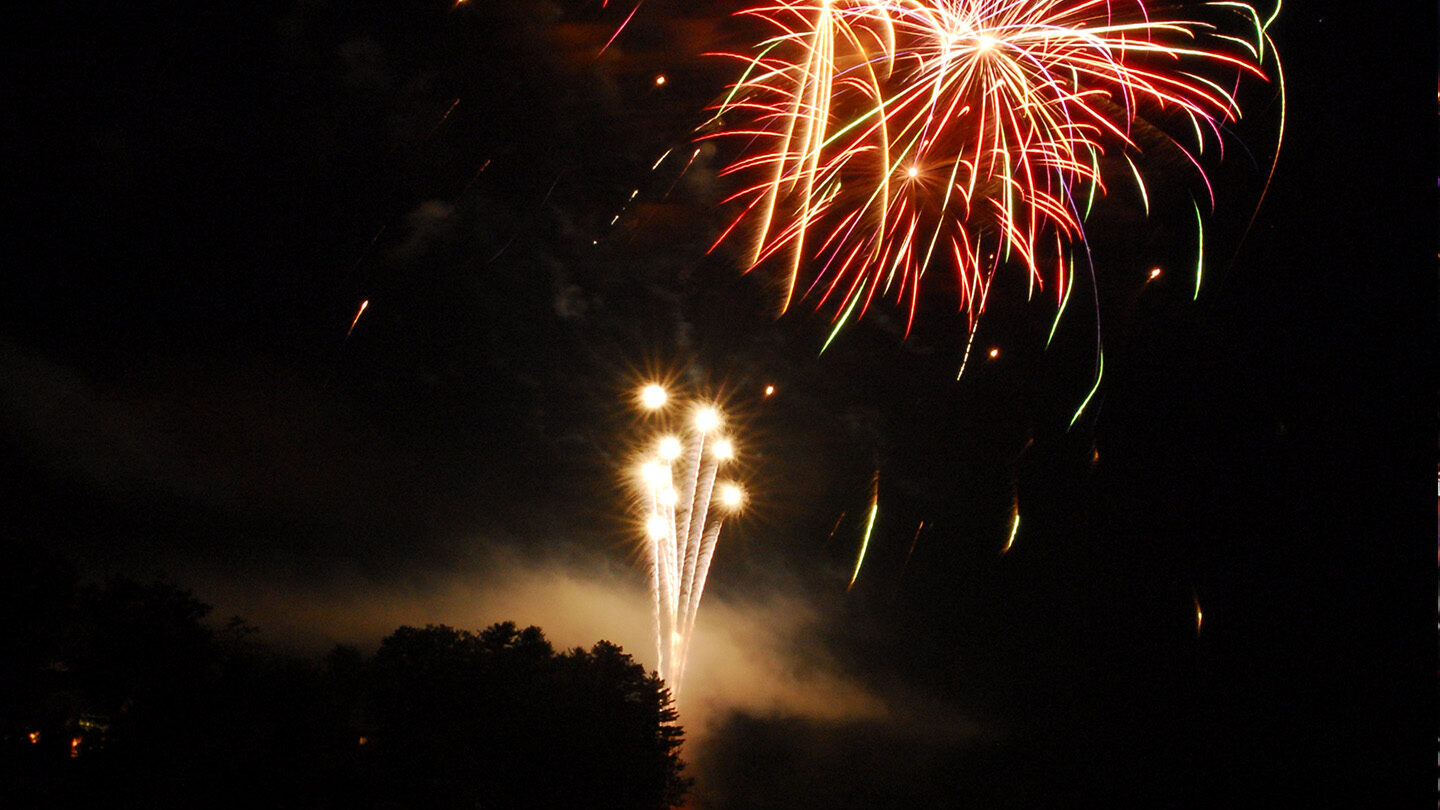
[{"x": 678, "y": 487}]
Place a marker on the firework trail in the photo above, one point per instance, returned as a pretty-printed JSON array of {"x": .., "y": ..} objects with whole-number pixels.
[
  {"x": 887, "y": 137},
  {"x": 678, "y": 487}
]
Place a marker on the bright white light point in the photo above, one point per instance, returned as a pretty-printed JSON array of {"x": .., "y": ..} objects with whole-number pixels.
[
  {"x": 723, "y": 449},
  {"x": 653, "y": 396},
  {"x": 659, "y": 80},
  {"x": 652, "y": 473},
  {"x": 656, "y": 526},
  {"x": 732, "y": 496},
  {"x": 994, "y": 352},
  {"x": 1154, "y": 272},
  {"x": 912, "y": 172},
  {"x": 707, "y": 419},
  {"x": 669, "y": 448},
  {"x": 769, "y": 390}
]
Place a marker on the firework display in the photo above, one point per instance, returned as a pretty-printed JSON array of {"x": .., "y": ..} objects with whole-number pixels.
[
  {"x": 678, "y": 484},
  {"x": 885, "y": 139}
]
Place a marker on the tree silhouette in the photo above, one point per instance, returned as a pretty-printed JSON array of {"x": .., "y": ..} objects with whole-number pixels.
[
  {"x": 499, "y": 719},
  {"x": 123, "y": 694}
]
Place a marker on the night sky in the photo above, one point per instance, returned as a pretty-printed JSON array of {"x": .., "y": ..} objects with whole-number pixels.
[{"x": 202, "y": 195}]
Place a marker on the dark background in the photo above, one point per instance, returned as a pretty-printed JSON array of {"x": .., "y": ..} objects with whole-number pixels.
[{"x": 201, "y": 196}]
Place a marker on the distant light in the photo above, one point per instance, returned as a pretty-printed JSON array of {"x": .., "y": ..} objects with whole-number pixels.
[
  {"x": 34, "y": 738},
  {"x": 659, "y": 80},
  {"x": 364, "y": 740},
  {"x": 1154, "y": 272},
  {"x": 74, "y": 747},
  {"x": 723, "y": 449},
  {"x": 994, "y": 352},
  {"x": 707, "y": 419},
  {"x": 653, "y": 396},
  {"x": 669, "y": 448},
  {"x": 769, "y": 390}
]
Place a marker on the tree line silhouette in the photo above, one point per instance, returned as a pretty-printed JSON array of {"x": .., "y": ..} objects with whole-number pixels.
[{"x": 122, "y": 694}]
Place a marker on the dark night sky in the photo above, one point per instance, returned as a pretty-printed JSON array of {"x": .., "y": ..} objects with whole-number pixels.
[{"x": 202, "y": 195}]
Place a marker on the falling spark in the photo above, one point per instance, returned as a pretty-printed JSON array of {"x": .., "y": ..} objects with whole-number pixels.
[
  {"x": 358, "y": 313},
  {"x": 1199, "y": 615},
  {"x": 1014, "y": 522},
  {"x": 1099, "y": 373},
  {"x": 1200, "y": 249},
  {"x": 869, "y": 525},
  {"x": 769, "y": 390},
  {"x": 616, "y": 35},
  {"x": 678, "y": 177},
  {"x": 446, "y": 116},
  {"x": 911, "y": 552}
]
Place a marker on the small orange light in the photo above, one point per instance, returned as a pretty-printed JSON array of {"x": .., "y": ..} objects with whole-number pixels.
[
  {"x": 769, "y": 390},
  {"x": 659, "y": 80},
  {"x": 74, "y": 747},
  {"x": 994, "y": 352},
  {"x": 1154, "y": 272},
  {"x": 34, "y": 737}
]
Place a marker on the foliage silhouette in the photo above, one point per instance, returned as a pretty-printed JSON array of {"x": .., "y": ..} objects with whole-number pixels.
[
  {"x": 135, "y": 700},
  {"x": 499, "y": 719}
]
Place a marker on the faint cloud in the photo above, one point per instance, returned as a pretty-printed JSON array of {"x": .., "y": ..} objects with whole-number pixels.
[{"x": 430, "y": 223}]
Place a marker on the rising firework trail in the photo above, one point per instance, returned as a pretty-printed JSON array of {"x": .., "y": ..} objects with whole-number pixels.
[
  {"x": 679, "y": 484},
  {"x": 888, "y": 138}
]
